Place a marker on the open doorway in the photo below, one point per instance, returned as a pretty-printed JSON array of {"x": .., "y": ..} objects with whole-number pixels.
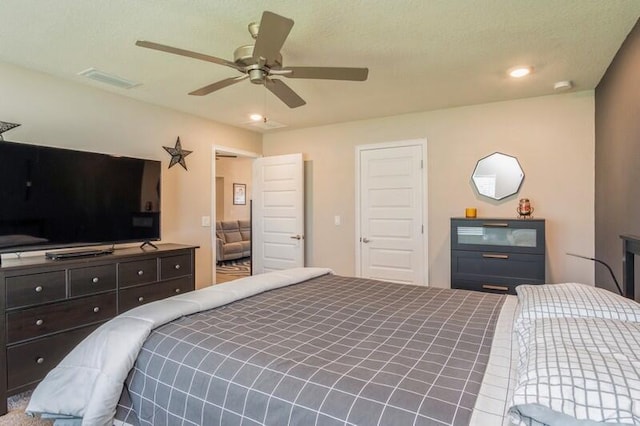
[{"x": 231, "y": 233}]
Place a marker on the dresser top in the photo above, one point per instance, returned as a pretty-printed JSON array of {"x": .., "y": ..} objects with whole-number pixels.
[
  {"x": 501, "y": 219},
  {"x": 119, "y": 253}
]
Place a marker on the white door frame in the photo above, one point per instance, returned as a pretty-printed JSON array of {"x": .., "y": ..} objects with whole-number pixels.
[
  {"x": 212, "y": 228},
  {"x": 425, "y": 246}
]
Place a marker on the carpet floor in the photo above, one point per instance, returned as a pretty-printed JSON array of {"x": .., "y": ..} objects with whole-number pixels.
[
  {"x": 17, "y": 417},
  {"x": 232, "y": 270}
]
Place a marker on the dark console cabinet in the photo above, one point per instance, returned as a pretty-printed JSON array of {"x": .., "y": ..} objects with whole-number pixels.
[
  {"x": 496, "y": 255},
  {"x": 49, "y": 306}
]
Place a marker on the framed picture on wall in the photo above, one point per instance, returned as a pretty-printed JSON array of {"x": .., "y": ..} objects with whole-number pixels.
[{"x": 239, "y": 193}]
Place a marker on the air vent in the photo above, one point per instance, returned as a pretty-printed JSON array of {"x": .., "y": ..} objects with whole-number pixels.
[
  {"x": 268, "y": 125},
  {"x": 110, "y": 79}
]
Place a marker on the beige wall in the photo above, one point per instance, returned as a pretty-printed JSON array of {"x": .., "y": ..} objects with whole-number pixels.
[
  {"x": 235, "y": 170},
  {"x": 58, "y": 113},
  {"x": 552, "y": 136}
]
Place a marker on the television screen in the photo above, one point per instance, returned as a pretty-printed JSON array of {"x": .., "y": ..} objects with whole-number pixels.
[{"x": 53, "y": 198}]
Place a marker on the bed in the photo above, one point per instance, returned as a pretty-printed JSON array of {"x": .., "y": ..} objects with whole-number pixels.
[{"x": 306, "y": 346}]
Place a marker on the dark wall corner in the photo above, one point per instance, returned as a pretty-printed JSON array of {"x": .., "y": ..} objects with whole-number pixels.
[{"x": 617, "y": 158}]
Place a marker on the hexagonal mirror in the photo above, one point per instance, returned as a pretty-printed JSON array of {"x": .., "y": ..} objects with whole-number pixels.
[{"x": 497, "y": 176}]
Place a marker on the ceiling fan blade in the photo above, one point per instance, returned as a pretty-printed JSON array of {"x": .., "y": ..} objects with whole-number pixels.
[
  {"x": 324, "y": 73},
  {"x": 217, "y": 86},
  {"x": 284, "y": 93},
  {"x": 273, "y": 31},
  {"x": 187, "y": 53}
]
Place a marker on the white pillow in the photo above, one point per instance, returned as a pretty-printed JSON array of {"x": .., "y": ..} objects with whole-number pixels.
[
  {"x": 572, "y": 300},
  {"x": 579, "y": 368}
]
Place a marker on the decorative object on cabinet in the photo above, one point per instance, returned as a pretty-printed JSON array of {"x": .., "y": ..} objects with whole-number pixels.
[
  {"x": 497, "y": 176},
  {"x": 4, "y": 126},
  {"x": 177, "y": 154},
  {"x": 49, "y": 306},
  {"x": 524, "y": 209},
  {"x": 239, "y": 194},
  {"x": 470, "y": 212},
  {"x": 496, "y": 255}
]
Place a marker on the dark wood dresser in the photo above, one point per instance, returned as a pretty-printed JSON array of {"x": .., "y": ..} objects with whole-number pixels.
[
  {"x": 49, "y": 306},
  {"x": 496, "y": 255}
]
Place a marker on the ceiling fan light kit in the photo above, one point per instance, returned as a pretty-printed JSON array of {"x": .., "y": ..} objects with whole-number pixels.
[{"x": 261, "y": 61}]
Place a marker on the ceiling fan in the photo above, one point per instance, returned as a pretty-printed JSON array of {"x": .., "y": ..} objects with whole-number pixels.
[{"x": 261, "y": 61}]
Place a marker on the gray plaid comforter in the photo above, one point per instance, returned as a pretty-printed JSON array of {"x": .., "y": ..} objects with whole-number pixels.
[{"x": 329, "y": 351}]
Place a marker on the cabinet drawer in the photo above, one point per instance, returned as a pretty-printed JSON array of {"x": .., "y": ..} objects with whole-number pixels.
[
  {"x": 175, "y": 266},
  {"x": 34, "y": 322},
  {"x": 516, "y": 236},
  {"x": 137, "y": 296},
  {"x": 92, "y": 280},
  {"x": 486, "y": 286},
  {"x": 485, "y": 265},
  {"x": 30, "y": 362},
  {"x": 491, "y": 284},
  {"x": 34, "y": 289},
  {"x": 137, "y": 272}
]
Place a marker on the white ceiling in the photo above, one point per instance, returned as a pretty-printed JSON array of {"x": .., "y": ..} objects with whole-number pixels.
[{"x": 421, "y": 54}]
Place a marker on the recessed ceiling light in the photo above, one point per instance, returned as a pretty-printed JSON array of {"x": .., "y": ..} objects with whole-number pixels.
[
  {"x": 255, "y": 117},
  {"x": 520, "y": 71}
]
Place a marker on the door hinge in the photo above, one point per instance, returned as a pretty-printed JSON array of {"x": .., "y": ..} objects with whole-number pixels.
[
  {"x": 423, "y": 229},
  {"x": 422, "y": 164}
]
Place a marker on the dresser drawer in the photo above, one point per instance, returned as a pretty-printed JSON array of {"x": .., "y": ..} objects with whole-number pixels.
[
  {"x": 487, "y": 286},
  {"x": 516, "y": 236},
  {"x": 137, "y": 272},
  {"x": 485, "y": 265},
  {"x": 30, "y": 362},
  {"x": 34, "y": 322},
  {"x": 137, "y": 296},
  {"x": 34, "y": 289},
  {"x": 91, "y": 280},
  {"x": 175, "y": 266}
]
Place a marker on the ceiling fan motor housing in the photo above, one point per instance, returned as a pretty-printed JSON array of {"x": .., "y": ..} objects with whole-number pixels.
[{"x": 243, "y": 56}]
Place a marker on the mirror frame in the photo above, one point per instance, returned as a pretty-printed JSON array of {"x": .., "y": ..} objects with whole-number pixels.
[{"x": 475, "y": 184}]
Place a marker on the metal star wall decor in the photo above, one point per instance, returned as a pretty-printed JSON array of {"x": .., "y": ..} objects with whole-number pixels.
[
  {"x": 4, "y": 126},
  {"x": 177, "y": 154}
]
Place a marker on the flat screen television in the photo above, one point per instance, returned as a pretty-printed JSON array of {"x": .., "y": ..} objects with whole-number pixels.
[{"x": 57, "y": 198}]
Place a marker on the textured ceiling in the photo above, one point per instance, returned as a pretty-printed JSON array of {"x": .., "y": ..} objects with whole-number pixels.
[{"x": 422, "y": 55}]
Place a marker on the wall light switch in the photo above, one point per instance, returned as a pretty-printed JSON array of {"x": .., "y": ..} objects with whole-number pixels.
[
  {"x": 337, "y": 220},
  {"x": 206, "y": 221}
]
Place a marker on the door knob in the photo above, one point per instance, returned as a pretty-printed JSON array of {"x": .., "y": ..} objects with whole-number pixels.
[
  {"x": 365, "y": 240},
  {"x": 296, "y": 237}
]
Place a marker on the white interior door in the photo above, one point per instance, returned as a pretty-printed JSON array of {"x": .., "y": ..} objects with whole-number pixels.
[
  {"x": 391, "y": 237},
  {"x": 277, "y": 213}
]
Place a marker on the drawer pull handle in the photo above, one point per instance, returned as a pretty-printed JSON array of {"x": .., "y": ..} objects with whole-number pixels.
[
  {"x": 96, "y": 309},
  {"x": 177, "y": 290},
  {"x": 39, "y": 322},
  {"x": 177, "y": 266},
  {"x": 38, "y": 289},
  {"x": 140, "y": 299},
  {"x": 495, "y": 256},
  {"x": 140, "y": 272},
  {"x": 495, "y": 225},
  {"x": 495, "y": 287},
  {"x": 40, "y": 360},
  {"x": 95, "y": 280}
]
